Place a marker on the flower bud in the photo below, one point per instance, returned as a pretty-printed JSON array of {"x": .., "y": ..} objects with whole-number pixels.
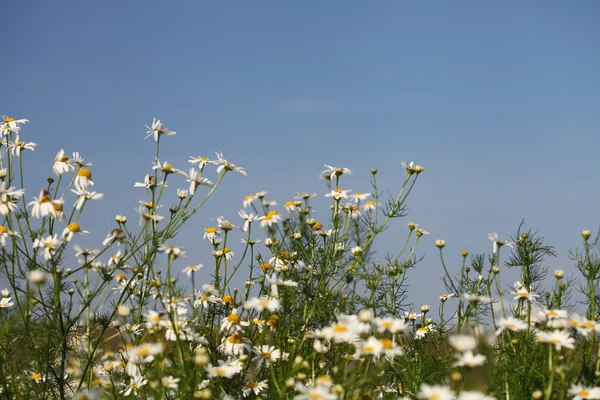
[
  {"x": 586, "y": 235},
  {"x": 440, "y": 243},
  {"x": 559, "y": 273}
]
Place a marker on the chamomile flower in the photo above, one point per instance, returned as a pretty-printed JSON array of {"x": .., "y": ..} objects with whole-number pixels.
[
  {"x": 83, "y": 179},
  {"x": 165, "y": 167},
  {"x": 224, "y": 252},
  {"x": 227, "y": 166},
  {"x": 262, "y": 303},
  {"x": 254, "y": 387},
  {"x": 470, "y": 360},
  {"x": 558, "y": 338},
  {"x": 584, "y": 392},
  {"x": 270, "y": 219},
  {"x": 5, "y": 233},
  {"x": 6, "y": 302},
  {"x": 338, "y": 194},
  {"x": 266, "y": 354},
  {"x": 11, "y": 124},
  {"x": 149, "y": 182},
  {"x": 498, "y": 242},
  {"x": 158, "y": 129},
  {"x": 147, "y": 215},
  {"x": 412, "y": 168},
  {"x": 248, "y": 200},
  {"x": 71, "y": 230},
  {"x": 315, "y": 392},
  {"x": 512, "y": 324},
  {"x": 83, "y": 195},
  {"x": 248, "y": 218},
  {"x": 332, "y": 172},
  {"x": 62, "y": 163},
  {"x": 360, "y": 196},
  {"x": 201, "y": 161},
  {"x": 233, "y": 323},
  {"x": 192, "y": 268},
  {"x": 170, "y": 382},
  {"x": 17, "y": 146},
  {"x": 134, "y": 384},
  {"x": 116, "y": 235},
  {"x": 43, "y": 205},
  {"x": 470, "y": 395},
  {"x": 233, "y": 345},
  {"x": 225, "y": 369},
  {"x": 390, "y": 324},
  {"x": 172, "y": 251},
  {"x": 79, "y": 161},
  {"x": 195, "y": 179},
  {"x": 48, "y": 245},
  {"x": 522, "y": 293},
  {"x": 435, "y": 392}
]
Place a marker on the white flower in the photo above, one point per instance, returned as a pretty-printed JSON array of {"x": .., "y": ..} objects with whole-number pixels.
[
  {"x": 270, "y": 219},
  {"x": 266, "y": 354},
  {"x": 44, "y": 205},
  {"x": 227, "y": 166},
  {"x": 332, "y": 172},
  {"x": 17, "y": 146},
  {"x": 263, "y": 303},
  {"x": 191, "y": 269},
  {"x": 558, "y": 338},
  {"x": 512, "y": 324},
  {"x": 170, "y": 382},
  {"x": 37, "y": 276},
  {"x": 412, "y": 168},
  {"x": 134, "y": 384},
  {"x": 468, "y": 395},
  {"x": 248, "y": 218},
  {"x": 158, "y": 129},
  {"x": 392, "y": 325},
  {"x": 317, "y": 391},
  {"x": 584, "y": 392},
  {"x": 71, "y": 230},
  {"x": 201, "y": 161},
  {"x": 225, "y": 369},
  {"x": 468, "y": 359},
  {"x": 195, "y": 179},
  {"x": 233, "y": 323},
  {"x": 11, "y": 124},
  {"x": 171, "y": 251},
  {"x": 62, "y": 163},
  {"x": 48, "y": 245},
  {"x": 6, "y": 302},
  {"x": 5, "y": 233},
  {"x": 254, "y": 387},
  {"x": 338, "y": 194},
  {"x": 149, "y": 182},
  {"x": 498, "y": 242},
  {"x": 462, "y": 343},
  {"x": 435, "y": 392}
]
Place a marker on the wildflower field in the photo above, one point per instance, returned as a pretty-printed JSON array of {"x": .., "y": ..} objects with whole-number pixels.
[{"x": 319, "y": 314}]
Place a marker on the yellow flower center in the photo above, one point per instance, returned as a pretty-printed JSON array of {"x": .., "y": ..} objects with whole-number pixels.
[
  {"x": 85, "y": 173},
  {"x": 317, "y": 225},
  {"x": 265, "y": 266},
  {"x": 387, "y": 343},
  {"x": 288, "y": 204},
  {"x": 74, "y": 227},
  {"x": 221, "y": 371},
  {"x": 212, "y": 229},
  {"x": 386, "y": 324},
  {"x": 228, "y": 299},
  {"x": 234, "y": 319},
  {"x": 236, "y": 338},
  {"x": 266, "y": 355},
  {"x": 57, "y": 207},
  {"x": 3, "y": 229},
  {"x": 45, "y": 199},
  {"x": 583, "y": 393},
  {"x": 225, "y": 250},
  {"x": 143, "y": 351},
  {"x": 251, "y": 385},
  {"x": 19, "y": 144},
  {"x": 249, "y": 197},
  {"x": 63, "y": 159},
  {"x": 340, "y": 329},
  {"x": 7, "y": 120},
  {"x": 36, "y": 376}
]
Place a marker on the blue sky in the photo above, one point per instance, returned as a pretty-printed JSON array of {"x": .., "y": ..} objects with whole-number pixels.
[{"x": 499, "y": 101}]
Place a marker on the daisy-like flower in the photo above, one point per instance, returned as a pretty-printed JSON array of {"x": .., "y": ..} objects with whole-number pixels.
[
  {"x": 191, "y": 269},
  {"x": 116, "y": 235},
  {"x": 512, "y": 324},
  {"x": 18, "y": 146},
  {"x": 165, "y": 167},
  {"x": 147, "y": 215},
  {"x": 435, "y": 392},
  {"x": 584, "y": 392},
  {"x": 211, "y": 233},
  {"x": 83, "y": 179},
  {"x": 11, "y": 124},
  {"x": 371, "y": 346},
  {"x": 233, "y": 323},
  {"x": 201, "y": 161},
  {"x": 522, "y": 293},
  {"x": 369, "y": 205},
  {"x": 62, "y": 163},
  {"x": 233, "y": 345},
  {"x": 248, "y": 218},
  {"x": 8, "y": 197},
  {"x": 558, "y": 338},
  {"x": 170, "y": 382},
  {"x": 262, "y": 303},
  {"x": 157, "y": 129},
  {"x": 6, "y": 302},
  {"x": 346, "y": 329},
  {"x": 79, "y": 161},
  {"x": 476, "y": 298},
  {"x": 48, "y": 245},
  {"x": 338, "y": 194},
  {"x": 266, "y": 354},
  {"x": 44, "y": 205},
  {"x": 304, "y": 195},
  {"x": 195, "y": 179},
  {"x": 173, "y": 252},
  {"x": 498, "y": 242},
  {"x": 248, "y": 200},
  {"x": 360, "y": 196},
  {"x": 470, "y": 360},
  {"x": 5, "y": 233},
  {"x": 254, "y": 387},
  {"x": 134, "y": 384},
  {"x": 332, "y": 172},
  {"x": 84, "y": 195},
  {"x": 412, "y": 168},
  {"x": 227, "y": 166},
  {"x": 270, "y": 219},
  {"x": 224, "y": 252},
  {"x": 149, "y": 182},
  {"x": 463, "y": 343},
  {"x": 37, "y": 276},
  {"x": 445, "y": 297},
  {"x": 392, "y": 325},
  {"x": 317, "y": 391},
  {"x": 225, "y": 369},
  {"x": 71, "y": 230},
  {"x": 553, "y": 314}
]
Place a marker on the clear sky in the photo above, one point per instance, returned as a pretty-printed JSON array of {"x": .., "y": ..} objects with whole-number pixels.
[{"x": 499, "y": 101}]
